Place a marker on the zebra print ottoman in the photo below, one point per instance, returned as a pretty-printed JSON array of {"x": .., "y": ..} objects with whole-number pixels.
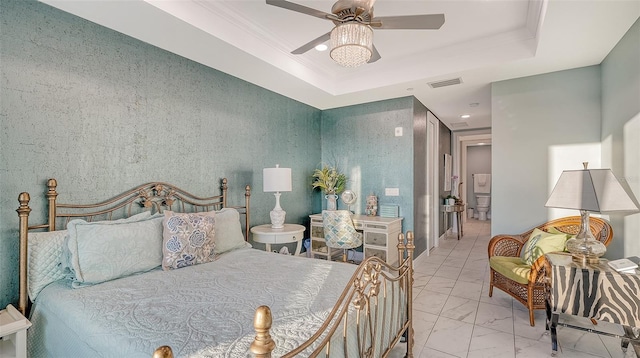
[{"x": 595, "y": 291}]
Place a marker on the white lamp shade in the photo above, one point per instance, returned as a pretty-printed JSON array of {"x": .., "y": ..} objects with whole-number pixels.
[
  {"x": 276, "y": 179},
  {"x": 595, "y": 190}
]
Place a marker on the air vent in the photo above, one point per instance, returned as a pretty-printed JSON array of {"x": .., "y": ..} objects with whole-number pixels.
[
  {"x": 445, "y": 83},
  {"x": 459, "y": 124}
]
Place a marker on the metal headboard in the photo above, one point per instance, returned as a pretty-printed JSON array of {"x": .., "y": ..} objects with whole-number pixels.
[{"x": 155, "y": 196}]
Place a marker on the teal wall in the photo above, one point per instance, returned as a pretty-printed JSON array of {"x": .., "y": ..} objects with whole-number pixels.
[
  {"x": 361, "y": 140},
  {"x": 102, "y": 112}
]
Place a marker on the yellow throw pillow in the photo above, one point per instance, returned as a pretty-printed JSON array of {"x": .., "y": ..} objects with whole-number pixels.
[
  {"x": 554, "y": 230},
  {"x": 542, "y": 242}
]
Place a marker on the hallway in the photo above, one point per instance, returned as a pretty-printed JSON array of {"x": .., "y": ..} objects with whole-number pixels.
[{"x": 455, "y": 317}]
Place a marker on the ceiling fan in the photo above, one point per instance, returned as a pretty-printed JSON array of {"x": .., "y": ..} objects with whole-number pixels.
[{"x": 352, "y": 36}]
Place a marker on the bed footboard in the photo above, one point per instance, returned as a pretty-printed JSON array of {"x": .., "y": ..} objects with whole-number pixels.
[{"x": 371, "y": 316}]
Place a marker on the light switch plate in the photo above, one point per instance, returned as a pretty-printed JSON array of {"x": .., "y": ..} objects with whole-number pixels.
[
  {"x": 398, "y": 131},
  {"x": 392, "y": 191}
]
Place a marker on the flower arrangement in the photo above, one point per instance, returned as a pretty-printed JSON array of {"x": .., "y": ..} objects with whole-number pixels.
[{"x": 329, "y": 180}]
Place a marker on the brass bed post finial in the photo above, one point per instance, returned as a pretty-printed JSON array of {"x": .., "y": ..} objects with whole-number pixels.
[
  {"x": 163, "y": 352},
  {"x": 224, "y": 192},
  {"x": 263, "y": 344},
  {"x": 52, "y": 194},
  {"x": 23, "y": 215}
]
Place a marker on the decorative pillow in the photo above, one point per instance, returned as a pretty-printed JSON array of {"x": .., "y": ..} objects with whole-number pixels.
[
  {"x": 228, "y": 231},
  {"x": 554, "y": 230},
  {"x": 103, "y": 251},
  {"x": 541, "y": 242},
  {"x": 188, "y": 239},
  {"x": 67, "y": 267},
  {"x": 44, "y": 255}
]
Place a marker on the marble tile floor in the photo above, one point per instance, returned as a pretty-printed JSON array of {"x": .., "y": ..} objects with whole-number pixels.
[{"x": 455, "y": 317}]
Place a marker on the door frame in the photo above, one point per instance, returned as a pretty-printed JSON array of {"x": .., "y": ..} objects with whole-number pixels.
[{"x": 460, "y": 159}]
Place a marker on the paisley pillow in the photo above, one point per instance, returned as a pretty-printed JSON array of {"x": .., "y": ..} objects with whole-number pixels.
[{"x": 187, "y": 239}]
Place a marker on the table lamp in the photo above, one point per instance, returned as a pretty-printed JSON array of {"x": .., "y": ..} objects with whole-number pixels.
[
  {"x": 276, "y": 180},
  {"x": 589, "y": 190}
]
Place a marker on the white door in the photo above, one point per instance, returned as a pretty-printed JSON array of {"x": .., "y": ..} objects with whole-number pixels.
[{"x": 433, "y": 206}]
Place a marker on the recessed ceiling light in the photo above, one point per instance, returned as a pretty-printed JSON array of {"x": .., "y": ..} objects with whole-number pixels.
[
  {"x": 465, "y": 116},
  {"x": 321, "y": 47}
]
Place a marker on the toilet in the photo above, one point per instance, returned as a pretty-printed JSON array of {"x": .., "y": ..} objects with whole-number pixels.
[
  {"x": 482, "y": 189},
  {"x": 482, "y": 205}
]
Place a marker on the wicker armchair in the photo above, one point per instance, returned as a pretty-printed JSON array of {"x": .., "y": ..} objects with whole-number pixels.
[{"x": 532, "y": 294}]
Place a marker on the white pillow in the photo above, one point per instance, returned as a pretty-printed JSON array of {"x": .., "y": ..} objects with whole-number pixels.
[
  {"x": 103, "y": 251},
  {"x": 228, "y": 231},
  {"x": 47, "y": 257},
  {"x": 44, "y": 257}
]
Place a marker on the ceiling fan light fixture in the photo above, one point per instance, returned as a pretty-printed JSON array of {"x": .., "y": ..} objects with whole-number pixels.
[{"x": 351, "y": 44}]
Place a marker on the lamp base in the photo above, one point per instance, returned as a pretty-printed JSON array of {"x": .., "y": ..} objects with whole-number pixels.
[
  {"x": 277, "y": 218},
  {"x": 585, "y": 259},
  {"x": 277, "y": 214},
  {"x": 584, "y": 248}
]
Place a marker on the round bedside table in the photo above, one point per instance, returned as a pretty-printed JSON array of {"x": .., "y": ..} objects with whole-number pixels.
[{"x": 289, "y": 233}]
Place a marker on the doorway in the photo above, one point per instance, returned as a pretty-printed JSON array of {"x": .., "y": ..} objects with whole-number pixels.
[{"x": 461, "y": 164}]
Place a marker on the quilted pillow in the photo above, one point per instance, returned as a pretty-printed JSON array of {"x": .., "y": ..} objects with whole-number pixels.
[
  {"x": 188, "y": 239},
  {"x": 103, "y": 251},
  {"x": 44, "y": 255},
  {"x": 541, "y": 242},
  {"x": 228, "y": 231}
]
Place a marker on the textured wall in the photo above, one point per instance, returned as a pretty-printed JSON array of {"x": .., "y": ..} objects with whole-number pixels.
[
  {"x": 361, "y": 140},
  {"x": 102, "y": 112}
]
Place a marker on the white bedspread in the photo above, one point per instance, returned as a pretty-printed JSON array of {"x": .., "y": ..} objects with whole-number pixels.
[{"x": 200, "y": 311}]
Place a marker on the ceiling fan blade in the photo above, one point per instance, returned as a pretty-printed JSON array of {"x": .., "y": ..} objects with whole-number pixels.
[
  {"x": 375, "y": 56},
  {"x": 411, "y": 22},
  {"x": 300, "y": 8},
  {"x": 311, "y": 44}
]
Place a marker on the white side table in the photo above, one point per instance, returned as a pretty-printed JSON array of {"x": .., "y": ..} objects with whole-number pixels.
[
  {"x": 13, "y": 331},
  {"x": 289, "y": 233}
]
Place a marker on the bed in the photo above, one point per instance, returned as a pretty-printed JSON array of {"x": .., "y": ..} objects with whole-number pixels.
[{"x": 118, "y": 279}]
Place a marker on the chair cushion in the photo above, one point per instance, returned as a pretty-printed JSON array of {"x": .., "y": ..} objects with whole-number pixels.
[
  {"x": 339, "y": 231},
  {"x": 512, "y": 268},
  {"x": 541, "y": 242}
]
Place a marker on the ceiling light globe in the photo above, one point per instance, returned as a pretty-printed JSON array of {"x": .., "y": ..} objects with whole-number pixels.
[{"x": 351, "y": 44}]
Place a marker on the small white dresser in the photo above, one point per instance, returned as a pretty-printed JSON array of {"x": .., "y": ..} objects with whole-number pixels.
[{"x": 380, "y": 237}]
